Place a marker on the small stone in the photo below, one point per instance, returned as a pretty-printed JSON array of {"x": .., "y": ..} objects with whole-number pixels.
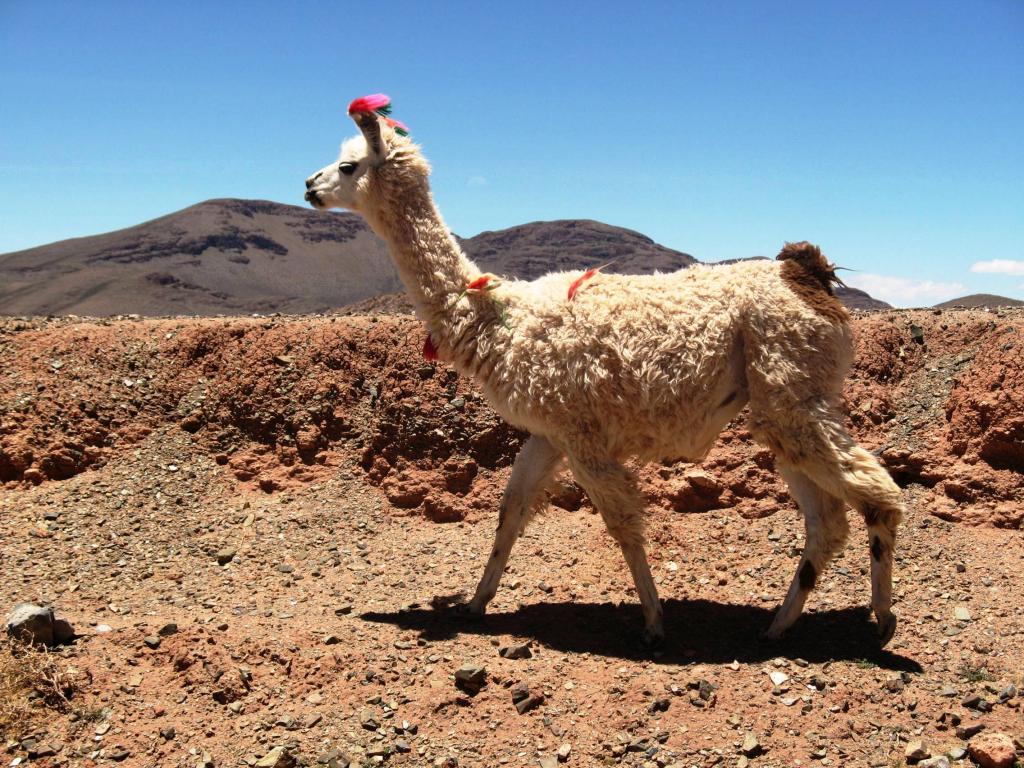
[
  {"x": 958, "y": 753},
  {"x": 532, "y": 701},
  {"x": 916, "y": 751},
  {"x": 278, "y": 757},
  {"x": 750, "y": 747},
  {"x": 968, "y": 731},
  {"x": 778, "y": 678},
  {"x": 519, "y": 692},
  {"x": 286, "y": 568},
  {"x": 332, "y": 640},
  {"x": 960, "y": 613},
  {"x": 378, "y": 750},
  {"x": 343, "y": 610},
  {"x": 659, "y": 705},
  {"x": 152, "y": 641},
  {"x": 470, "y": 678},
  {"x": 992, "y": 750},
  {"x": 368, "y": 719},
  {"x": 168, "y": 629},
  {"x": 941, "y": 761},
  {"x": 168, "y": 733},
  {"x": 226, "y": 555},
  {"x": 118, "y": 753},
  {"x": 564, "y": 751},
  {"x": 402, "y": 746},
  {"x": 548, "y": 761},
  {"x": 975, "y": 701},
  {"x": 516, "y": 651}
]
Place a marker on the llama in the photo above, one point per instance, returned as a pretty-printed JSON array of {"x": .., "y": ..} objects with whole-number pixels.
[{"x": 599, "y": 368}]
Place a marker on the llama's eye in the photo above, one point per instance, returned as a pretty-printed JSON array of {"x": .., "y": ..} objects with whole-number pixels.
[{"x": 348, "y": 168}]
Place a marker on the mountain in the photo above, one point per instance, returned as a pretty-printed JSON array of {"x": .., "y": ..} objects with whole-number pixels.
[
  {"x": 234, "y": 256},
  {"x": 531, "y": 250},
  {"x": 855, "y": 298},
  {"x": 218, "y": 257},
  {"x": 977, "y": 300}
]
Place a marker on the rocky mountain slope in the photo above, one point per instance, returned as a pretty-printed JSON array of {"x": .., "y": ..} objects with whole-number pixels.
[
  {"x": 218, "y": 257},
  {"x": 980, "y": 300}
]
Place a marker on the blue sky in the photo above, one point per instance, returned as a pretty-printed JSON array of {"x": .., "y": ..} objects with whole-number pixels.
[{"x": 888, "y": 132}]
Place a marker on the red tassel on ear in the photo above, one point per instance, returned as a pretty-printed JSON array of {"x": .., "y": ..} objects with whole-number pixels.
[{"x": 375, "y": 102}]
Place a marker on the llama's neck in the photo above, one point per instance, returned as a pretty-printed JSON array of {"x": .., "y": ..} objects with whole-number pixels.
[{"x": 432, "y": 266}]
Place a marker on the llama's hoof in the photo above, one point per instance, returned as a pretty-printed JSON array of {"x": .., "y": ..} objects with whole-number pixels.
[
  {"x": 770, "y": 635},
  {"x": 469, "y": 612},
  {"x": 886, "y": 629},
  {"x": 653, "y": 637}
]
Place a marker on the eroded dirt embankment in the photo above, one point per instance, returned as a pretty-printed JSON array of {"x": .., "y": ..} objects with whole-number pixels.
[{"x": 285, "y": 401}]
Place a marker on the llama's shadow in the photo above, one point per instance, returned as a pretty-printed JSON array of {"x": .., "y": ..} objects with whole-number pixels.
[{"x": 698, "y": 631}]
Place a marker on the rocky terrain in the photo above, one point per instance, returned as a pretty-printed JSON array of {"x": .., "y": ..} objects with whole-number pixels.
[{"x": 259, "y": 528}]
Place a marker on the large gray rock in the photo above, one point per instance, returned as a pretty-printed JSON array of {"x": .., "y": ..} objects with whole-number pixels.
[{"x": 35, "y": 624}]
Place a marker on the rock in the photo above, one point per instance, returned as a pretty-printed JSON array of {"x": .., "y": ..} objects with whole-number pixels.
[
  {"x": 992, "y": 750},
  {"x": 960, "y": 613},
  {"x": 278, "y": 757},
  {"x": 750, "y": 747},
  {"x": 226, "y": 555},
  {"x": 470, "y": 678},
  {"x": 516, "y": 652},
  {"x": 168, "y": 629},
  {"x": 916, "y": 751},
  {"x": 519, "y": 692},
  {"x": 368, "y": 719},
  {"x": 31, "y": 624},
  {"x": 968, "y": 731},
  {"x": 168, "y": 733},
  {"x": 778, "y": 678},
  {"x": 975, "y": 701},
  {"x": 402, "y": 746},
  {"x": 659, "y": 705},
  {"x": 118, "y": 753},
  {"x": 152, "y": 641},
  {"x": 564, "y": 751},
  {"x": 935, "y": 762},
  {"x": 958, "y": 753},
  {"x": 548, "y": 761},
  {"x": 532, "y": 701}
]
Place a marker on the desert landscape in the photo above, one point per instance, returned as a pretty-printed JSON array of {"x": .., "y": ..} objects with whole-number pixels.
[{"x": 259, "y": 529}]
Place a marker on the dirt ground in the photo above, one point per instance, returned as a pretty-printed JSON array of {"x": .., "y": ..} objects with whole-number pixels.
[{"x": 306, "y": 500}]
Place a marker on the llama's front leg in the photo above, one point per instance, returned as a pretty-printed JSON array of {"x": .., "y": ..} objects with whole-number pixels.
[
  {"x": 826, "y": 529},
  {"x": 532, "y": 471},
  {"x": 612, "y": 489}
]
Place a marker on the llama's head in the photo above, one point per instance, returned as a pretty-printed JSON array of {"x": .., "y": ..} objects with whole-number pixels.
[{"x": 372, "y": 167}]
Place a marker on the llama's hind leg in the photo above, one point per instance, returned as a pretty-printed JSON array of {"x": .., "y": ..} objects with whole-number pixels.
[
  {"x": 819, "y": 446},
  {"x": 826, "y": 530},
  {"x": 613, "y": 490},
  {"x": 533, "y": 469}
]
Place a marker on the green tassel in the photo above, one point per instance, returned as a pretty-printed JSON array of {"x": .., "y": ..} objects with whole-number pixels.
[{"x": 385, "y": 110}]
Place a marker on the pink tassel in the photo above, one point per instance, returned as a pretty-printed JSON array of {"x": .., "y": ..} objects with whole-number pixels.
[
  {"x": 398, "y": 125},
  {"x": 370, "y": 103}
]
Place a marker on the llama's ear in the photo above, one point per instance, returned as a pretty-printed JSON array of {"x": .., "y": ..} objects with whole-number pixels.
[{"x": 370, "y": 125}]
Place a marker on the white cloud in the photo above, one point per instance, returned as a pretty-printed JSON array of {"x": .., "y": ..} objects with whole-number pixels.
[
  {"x": 999, "y": 266},
  {"x": 905, "y": 291}
]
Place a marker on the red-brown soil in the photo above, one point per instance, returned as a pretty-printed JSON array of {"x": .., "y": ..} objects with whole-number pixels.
[{"x": 356, "y": 485}]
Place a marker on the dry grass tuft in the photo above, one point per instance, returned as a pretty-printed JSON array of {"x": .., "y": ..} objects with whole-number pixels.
[{"x": 33, "y": 682}]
